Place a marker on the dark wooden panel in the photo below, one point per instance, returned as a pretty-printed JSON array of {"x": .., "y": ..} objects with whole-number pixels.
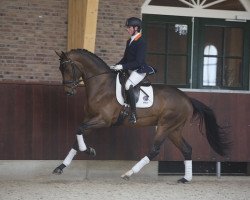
[
  {"x": 22, "y": 122},
  {"x": 39, "y": 122},
  {"x": 6, "y": 121},
  {"x": 118, "y": 143}
]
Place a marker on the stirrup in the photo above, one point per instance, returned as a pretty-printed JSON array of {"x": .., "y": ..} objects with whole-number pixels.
[{"x": 132, "y": 118}]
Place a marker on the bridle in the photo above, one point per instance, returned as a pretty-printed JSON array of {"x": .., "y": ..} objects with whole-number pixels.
[{"x": 75, "y": 82}]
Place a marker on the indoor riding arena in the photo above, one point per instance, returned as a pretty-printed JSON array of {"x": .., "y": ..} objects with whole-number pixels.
[{"x": 62, "y": 139}]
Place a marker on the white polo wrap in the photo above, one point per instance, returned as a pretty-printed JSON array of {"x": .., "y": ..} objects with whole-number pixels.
[
  {"x": 81, "y": 143},
  {"x": 140, "y": 164},
  {"x": 188, "y": 170},
  {"x": 69, "y": 157}
]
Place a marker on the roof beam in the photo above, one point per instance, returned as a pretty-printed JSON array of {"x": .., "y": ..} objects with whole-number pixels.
[
  {"x": 187, "y": 3},
  {"x": 213, "y": 3}
]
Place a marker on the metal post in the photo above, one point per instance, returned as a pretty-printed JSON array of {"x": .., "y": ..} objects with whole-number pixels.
[
  {"x": 218, "y": 169},
  {"x": 192, "y": 55}
]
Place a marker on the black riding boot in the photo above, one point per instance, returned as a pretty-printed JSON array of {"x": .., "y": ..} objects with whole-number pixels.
[{"x": 132, "y": 118}]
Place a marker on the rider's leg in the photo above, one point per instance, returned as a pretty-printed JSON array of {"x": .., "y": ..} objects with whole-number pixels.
[{"x": 132, "y": 81}]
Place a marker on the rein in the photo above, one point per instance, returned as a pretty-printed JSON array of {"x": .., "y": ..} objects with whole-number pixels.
[{"x": 97, "y": 75}]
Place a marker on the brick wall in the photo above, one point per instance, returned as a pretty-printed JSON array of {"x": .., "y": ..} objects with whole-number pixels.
[{"x": 31, "y": 30}]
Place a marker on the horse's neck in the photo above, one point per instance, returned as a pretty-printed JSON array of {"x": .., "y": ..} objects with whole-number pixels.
[
  {"x": 98, "y": 79},
  {"x": 100, "y": 86},
  {"x": 91, "y": 66}
]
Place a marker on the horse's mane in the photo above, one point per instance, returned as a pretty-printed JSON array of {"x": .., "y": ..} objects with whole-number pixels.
[{"x": 85, "y": 52}]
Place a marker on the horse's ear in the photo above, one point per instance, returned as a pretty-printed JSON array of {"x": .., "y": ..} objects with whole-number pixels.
[
  {"x": 57, "y": 53},
  {"x": 64, "y": 56}
]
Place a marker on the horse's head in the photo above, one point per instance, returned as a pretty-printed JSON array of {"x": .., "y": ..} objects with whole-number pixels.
[
  {"x": 71, "y": 73},
  {"x": 81, "y": 65}
]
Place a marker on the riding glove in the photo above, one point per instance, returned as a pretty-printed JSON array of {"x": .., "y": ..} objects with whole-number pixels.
[{"x": 116, "y": 67}]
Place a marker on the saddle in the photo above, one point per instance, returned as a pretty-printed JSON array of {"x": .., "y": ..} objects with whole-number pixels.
[{"x": 143, "y": 91}]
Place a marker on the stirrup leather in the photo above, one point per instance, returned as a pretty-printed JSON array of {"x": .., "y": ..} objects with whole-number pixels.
[{"x": 132, "y": 118}]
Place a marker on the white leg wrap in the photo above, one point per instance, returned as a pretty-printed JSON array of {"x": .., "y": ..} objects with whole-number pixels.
[
  {"x": 69, "y": 157},
  {"x": 140, "y": 164},
  {"x": 188, "y": 170},
  {"x": 81, "y": 143}
]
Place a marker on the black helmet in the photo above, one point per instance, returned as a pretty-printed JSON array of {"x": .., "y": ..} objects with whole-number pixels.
[{"x": 133, "y": 21}]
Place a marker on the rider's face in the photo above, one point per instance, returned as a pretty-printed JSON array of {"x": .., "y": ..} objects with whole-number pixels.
[{"x": 131, "y": 30}]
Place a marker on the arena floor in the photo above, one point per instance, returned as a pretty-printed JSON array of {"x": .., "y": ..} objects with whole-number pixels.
[{"x": 100, "y": 180}]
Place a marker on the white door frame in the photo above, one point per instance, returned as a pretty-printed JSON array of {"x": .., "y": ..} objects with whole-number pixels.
[{"x": 197, "y": 9}]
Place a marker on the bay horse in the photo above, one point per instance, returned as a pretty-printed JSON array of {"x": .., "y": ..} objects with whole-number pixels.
[{"x": 170, "y": 111}]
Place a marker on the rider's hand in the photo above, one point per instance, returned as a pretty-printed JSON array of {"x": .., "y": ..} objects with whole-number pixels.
[
  {"x": 118, "y": 67},
  {"x": 112, "y": 67}
]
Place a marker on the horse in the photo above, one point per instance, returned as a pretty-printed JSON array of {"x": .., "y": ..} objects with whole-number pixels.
[{"x": 170, "y": 111}]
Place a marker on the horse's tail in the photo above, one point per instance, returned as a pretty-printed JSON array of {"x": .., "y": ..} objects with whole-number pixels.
[{"x": 216, "y": 135}]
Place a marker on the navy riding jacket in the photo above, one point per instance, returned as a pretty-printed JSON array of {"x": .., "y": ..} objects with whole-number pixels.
[{"x": 134, "y": 56}]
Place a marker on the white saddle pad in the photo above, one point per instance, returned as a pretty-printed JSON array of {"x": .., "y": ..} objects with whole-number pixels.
[{"x": 145, "y": 100}]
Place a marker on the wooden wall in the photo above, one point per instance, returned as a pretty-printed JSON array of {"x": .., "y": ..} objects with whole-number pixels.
[
  {"x": 82, "y": 22},
  {"x": 38, "y": 122}
]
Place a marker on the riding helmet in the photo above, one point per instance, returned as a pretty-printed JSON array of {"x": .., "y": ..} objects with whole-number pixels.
[{"x": 133, "y": 21}]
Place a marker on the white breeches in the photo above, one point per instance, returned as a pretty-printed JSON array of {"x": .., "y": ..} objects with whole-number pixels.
[{"x": 134, "y": 79}]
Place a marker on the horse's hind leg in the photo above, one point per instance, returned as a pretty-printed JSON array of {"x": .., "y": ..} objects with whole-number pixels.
[
  {"x": 158, "y": 140},
  {"x": 186, "y": 151},
  {"x": 174, "y": 134}
]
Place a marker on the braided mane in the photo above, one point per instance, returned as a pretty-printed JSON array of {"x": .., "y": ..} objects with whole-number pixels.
[{"x": 85, "y": 52}]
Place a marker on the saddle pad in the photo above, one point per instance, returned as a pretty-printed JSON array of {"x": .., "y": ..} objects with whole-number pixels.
[{"x": 146, "y": 95}]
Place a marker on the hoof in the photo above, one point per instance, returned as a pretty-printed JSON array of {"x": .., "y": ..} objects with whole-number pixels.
[
  {"x": 183, "y": 180},
  {"x": 57, "y": 171},
  {"x": 92, "y": 152},
  {"x": 125, "y": 177}
]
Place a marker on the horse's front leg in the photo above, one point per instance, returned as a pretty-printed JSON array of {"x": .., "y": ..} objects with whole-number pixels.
[{"x": 79, "y": 145}]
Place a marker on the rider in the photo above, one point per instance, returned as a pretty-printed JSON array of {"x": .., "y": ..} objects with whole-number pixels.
[{"x": 134, "y": 61}]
